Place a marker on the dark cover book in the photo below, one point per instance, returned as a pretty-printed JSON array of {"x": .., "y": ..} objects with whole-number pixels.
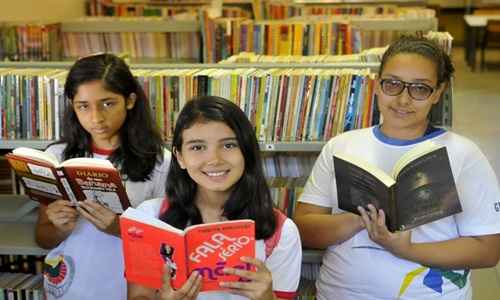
[{"x": 420, "y": 190}]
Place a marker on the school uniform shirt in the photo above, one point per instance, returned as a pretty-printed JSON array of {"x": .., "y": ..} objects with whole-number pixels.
[
  {"x": 360, "y": 269},
  {"x": 89, "y": 263},
  {"x": 284, "y": 263}
]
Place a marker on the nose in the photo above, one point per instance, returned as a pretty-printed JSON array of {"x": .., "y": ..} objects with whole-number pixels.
[
  {"x": 96, "y": 115},
  {"x": 214, "y": 156},
  {"x": 404, "y": 98}
]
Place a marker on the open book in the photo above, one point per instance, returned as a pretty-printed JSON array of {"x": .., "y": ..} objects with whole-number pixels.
[
  {"x": 149, "y": 244},
  {"x": 421, "y": 188},
  {"x": 45, "y": 179}
]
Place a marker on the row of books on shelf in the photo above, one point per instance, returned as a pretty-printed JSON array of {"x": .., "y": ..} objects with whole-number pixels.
[
  {"x": 157, "y": 46},
  {"x": 288, "y": 165},
  {"x": 444, "y": 39},
  {"x": 224, "y": 37},
  {"x": 17, "y": 286},
  {"x": 218, "y": 37},
  {"x": 288, "y": 105},
  {"x": 267, "y": 9},
  {"x": 278, "y": 10},
  {"x": 30, "y": 42},
  {"x": 159, "y": 9}
]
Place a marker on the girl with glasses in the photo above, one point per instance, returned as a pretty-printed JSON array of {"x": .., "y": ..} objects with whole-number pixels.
[{"x": 363, "y": 260}]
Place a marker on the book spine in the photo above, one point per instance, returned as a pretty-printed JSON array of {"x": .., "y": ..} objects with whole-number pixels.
[{"x": 392, "y": 214}]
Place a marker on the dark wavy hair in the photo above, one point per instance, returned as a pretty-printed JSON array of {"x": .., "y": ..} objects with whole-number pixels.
[
  {"x": 250, "y": 198},
  {"x": 426, "y": 48},
  {"x": 141, "y": 144}
]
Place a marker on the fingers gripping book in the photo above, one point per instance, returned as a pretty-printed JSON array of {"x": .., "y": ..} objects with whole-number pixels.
[
  {"x": 45, "y": 179},
  {"x": 149, "y": 244},
  {"x": 421, "y": 188}
]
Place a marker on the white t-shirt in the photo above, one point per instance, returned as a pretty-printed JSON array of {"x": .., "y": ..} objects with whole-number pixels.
[
  {"x": 89, "y": 263},
  {"x": 360, "y": 269},
  {"x": 284, "y": 262}
]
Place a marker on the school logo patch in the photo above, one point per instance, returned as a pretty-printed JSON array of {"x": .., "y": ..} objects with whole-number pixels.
[{"x": 58, "y": 274}]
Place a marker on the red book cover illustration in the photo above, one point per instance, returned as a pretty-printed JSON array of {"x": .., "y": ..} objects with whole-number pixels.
[
  {"x": 45, "y": 179},
  {"x": 149, "y": 244}
]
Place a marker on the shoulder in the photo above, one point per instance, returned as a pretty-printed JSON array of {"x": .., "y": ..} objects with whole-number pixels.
[
  {"x": 460, "y": 147},
  {"x": 350, "y": 137},
  {"x": 152, "y": 207},
  {"x": 164, "y": 161}
]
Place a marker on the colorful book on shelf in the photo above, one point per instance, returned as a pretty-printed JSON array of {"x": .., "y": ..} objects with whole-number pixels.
[
  {"x": 421, "y": 188},
  {"x": 45, "y": 179},
  {"x": 149, "y": 244}
]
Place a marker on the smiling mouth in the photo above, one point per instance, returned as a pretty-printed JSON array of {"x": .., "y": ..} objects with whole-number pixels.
[
  {"x": 216, "y": 174},
  {"x": 401, "y": 112}
]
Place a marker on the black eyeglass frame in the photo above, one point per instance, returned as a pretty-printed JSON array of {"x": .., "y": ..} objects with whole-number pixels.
[{"x": 407, "y": 85}]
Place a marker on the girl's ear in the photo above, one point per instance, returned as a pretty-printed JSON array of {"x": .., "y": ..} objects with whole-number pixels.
[
  {"x": 130, "y": 102},
  {"x": 179, "y": 158},
  {"x": 440, "y": 90}
]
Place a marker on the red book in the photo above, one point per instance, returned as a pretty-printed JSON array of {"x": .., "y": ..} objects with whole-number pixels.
[
  {"x": 45, "y": 179},
  {"x": 149, "y": 244}
]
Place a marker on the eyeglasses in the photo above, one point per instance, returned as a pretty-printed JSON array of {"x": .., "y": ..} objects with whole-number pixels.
[{"x": 417, "y": 91}]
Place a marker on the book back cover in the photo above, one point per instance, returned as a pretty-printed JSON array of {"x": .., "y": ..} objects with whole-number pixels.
[
  {"x": 213, "y": 247},
  {"x": 38, "y": 178}
]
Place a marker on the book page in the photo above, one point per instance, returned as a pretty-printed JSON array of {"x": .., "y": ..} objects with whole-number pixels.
[
  {"x": 385, "y": 178},
  {"x": 37, "y": 155},
  {"x": 88, "y": 161},
  {"x": 416, "y": 152},
  {"x": 213, "y": 247}
]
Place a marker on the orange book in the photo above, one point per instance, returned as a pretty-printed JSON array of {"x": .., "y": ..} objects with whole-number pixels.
[
  {"x": 45, "y": 179},
  {"x": 149, "y": 244}
]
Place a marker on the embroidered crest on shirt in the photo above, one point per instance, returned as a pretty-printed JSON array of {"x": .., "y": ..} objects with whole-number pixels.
[{"x": 58, "y": 273}]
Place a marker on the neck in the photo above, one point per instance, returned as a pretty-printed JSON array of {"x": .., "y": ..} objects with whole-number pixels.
[
  {"x": 107, "y": 144},
  {"x": 409, "y": 133},
  {"x": 211, "y": 205}
]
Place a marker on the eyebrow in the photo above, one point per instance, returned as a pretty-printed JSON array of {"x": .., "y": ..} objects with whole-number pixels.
[
  {"x": 99, "y": 100},
  {"x": 416, "y": 79},
  {"x": 232, "y": 139}
]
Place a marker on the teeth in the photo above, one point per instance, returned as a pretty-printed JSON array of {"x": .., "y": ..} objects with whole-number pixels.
[{"x": 214, "y": 174}]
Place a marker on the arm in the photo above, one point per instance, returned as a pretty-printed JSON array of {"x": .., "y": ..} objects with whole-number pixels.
[
  {"x": 464, "y": 252},
  {"x": 319, "y": 228},
  {"x": 55, "y": 223}
]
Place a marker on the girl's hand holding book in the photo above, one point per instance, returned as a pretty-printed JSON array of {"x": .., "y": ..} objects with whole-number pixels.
[
  {"x": 101, "y": 216},
  {"x": 188, "y": 291},
  {"x": 258, "y": 285},
  {"x": 398, "y": 243},
  {"x": 62, "y": 215}
]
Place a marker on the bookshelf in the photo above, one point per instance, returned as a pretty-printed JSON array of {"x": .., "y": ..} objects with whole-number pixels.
[{"x": 24, "y": 246}]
